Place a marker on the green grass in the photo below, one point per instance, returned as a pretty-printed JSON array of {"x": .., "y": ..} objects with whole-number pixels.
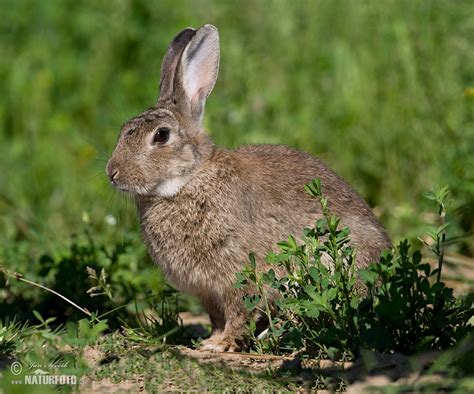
[{"x": 383, "y": 91}]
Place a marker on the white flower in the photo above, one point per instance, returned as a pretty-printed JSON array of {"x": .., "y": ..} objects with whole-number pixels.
[
  {"x": 110, "y": 220},
  {"x": 85, "y": 217}
]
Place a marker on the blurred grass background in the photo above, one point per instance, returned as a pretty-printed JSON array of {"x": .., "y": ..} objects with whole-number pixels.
[{"x": 383, "y": 91}]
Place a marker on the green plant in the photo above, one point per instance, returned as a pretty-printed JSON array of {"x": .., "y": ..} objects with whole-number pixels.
[
  {"x": 11, "y": 334},
  {"x": 89, "y": 330},
  {"x": 397, "y": 304},
  {"x": 408, "y": 308},
  {"x": 160, "y": 322},
  {"x": 156, "y": 318}
]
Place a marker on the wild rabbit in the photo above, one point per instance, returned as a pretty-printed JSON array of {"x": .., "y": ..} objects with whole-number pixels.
[{"x": 202, "y": 208}]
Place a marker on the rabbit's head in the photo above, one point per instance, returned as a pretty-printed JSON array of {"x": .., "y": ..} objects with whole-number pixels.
[{"x": 159, "y": 150}]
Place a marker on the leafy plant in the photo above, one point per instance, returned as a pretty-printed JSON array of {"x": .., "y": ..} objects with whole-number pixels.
[
  {"x": 408, "y": 308},
  {"x": 90, "y": 330},
  {"x": 397, "y": 304}
]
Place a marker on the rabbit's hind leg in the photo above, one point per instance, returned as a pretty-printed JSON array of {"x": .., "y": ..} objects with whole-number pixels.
[
  {"x": 217, "y": 318},
  {"x": 231, "y": 337},
  {"x": 216, "y": 314}
]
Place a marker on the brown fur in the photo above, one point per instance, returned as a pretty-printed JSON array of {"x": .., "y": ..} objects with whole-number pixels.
[{"x": 203, "y": 209}]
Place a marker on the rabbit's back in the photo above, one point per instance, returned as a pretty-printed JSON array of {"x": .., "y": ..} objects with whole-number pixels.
[{"x": 280, "y": 173}]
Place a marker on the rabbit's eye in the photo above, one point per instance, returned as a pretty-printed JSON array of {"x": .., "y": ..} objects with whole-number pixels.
[{"x": 161, "y": 136}]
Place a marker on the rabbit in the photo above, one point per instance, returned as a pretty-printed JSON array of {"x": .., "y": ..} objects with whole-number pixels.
[{"x": 203, "y": 209}]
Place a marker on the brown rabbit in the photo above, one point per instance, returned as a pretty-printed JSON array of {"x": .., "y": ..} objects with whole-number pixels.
[{"x": 203, "y": 208}]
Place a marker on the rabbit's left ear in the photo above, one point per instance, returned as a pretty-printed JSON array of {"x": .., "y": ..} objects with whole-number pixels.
[
  {"x": 171, "y": 60},
  {"x": 199, "y": 68}
]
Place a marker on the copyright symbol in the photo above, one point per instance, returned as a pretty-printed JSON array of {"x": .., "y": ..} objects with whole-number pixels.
[{"x": 16, "y": 368}]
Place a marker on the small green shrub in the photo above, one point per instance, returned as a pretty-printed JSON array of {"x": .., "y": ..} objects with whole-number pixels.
[{"x": 397, "y": 304}]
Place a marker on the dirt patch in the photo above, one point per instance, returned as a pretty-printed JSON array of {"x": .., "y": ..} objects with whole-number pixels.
[
  {"x": 137, "y": 385},
  {"x": 261, "y": 362},
  {"x": 372, "y": 370},
  {"x": 189, "y": 319},
  {"x": 93, "y": 355},
  {"x": 381, "y": 382}
]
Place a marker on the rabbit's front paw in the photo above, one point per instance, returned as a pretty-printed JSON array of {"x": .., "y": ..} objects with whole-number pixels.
[{"x": 219, "y": 344}]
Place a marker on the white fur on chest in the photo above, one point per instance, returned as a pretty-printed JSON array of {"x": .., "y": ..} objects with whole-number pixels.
[{"x": 170, "y": 187}]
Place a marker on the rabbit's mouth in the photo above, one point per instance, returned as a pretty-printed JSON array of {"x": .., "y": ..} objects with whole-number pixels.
[
  {"x": 132, "y": 189},
  {"x": 167, "y": 188}
]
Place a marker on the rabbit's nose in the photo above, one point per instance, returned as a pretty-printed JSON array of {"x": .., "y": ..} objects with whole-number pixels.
[
  {"x": 113, "y": 175},
  {"x": 112, "y": 171}
]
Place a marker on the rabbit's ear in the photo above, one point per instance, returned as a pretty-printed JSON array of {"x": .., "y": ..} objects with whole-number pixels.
[
  {"x": 199, "y": 69},
  {"x": 171, "y": 60}
]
